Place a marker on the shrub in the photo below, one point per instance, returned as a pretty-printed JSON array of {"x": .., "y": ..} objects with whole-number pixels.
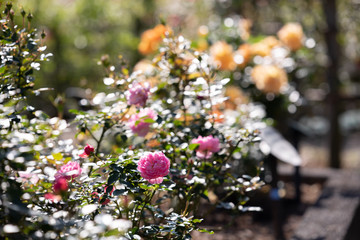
[{"x": 153, "y": 156}]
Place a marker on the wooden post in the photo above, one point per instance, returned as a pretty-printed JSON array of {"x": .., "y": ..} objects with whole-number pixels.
[{"x": 333, "y": 100}]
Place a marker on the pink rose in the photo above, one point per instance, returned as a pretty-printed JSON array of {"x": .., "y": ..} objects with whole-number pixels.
[
  {"x": 27, "y": 176},
  {"x": 61, "y": 185},
  {"x": 137, "y": 122},
  {"x": 137, "y": 95},
  {"x": 88, "y": 150},
  {"x": 153, "y": 167},
  {"x": 52, "y": 197},
  {"x": 69, "y": 171},
  {"x": 208, "y": 146}
]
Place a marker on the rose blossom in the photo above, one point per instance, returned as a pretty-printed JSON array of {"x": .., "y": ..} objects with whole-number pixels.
[
  {"x": 208, "y": 146},
  {"x": 61, "y": 185},
  {"x": 69, "y": 171},
  {"x": 137, "y": 122},
  {"x": 27, "y": 176},
  {"x": 153, "y": 167},
  {"x": 88, "y": 150},
  {"x": 137, "y": 95},
  {"x": 52, "y": 197},
  {"x": 269, "y": 78}
]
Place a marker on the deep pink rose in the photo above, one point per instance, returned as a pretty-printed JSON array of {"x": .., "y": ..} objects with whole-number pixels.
[
  {"x": 69, "y": 171},
  {"x": 88, "y": 150},
  {"x": 137, "y": 95},
  {"x": 208, "y": 146},
  {"x": 60, "y": 185},
  {"x": 137, "y": 122},
  {"x": 153, "y": 167}
]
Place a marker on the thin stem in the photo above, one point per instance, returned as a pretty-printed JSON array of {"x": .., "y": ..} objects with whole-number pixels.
[
  {"x": 100, "y": 139},
  {"x": 228, "y": 157},
  {"x": 91, "y": 134},
  {"x": 143, "y": 207}
]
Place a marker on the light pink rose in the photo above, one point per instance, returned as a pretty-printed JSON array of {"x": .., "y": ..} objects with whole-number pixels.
[
  {"x": 208, "y": 146},
  {"x": 137, "y": 95},
  {"x": 52, "y": 197},
  {"x": 153, "y": 167},
  {"x": 27, "y": 176},
  {"x": 137, "y": 122},
  {"x": 69, "y": 171}
]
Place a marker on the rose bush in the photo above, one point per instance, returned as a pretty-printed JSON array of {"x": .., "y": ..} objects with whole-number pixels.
[{"x": 152, "y": 156}]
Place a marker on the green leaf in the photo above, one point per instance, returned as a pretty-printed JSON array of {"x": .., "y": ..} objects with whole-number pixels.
[
  {"x": 193, "y": 146},
  {"x": 149, "y": 120},
  {"x": 197, "y": 220},
  {"x": 202, "y": 230},
  {"x": 57, "y": 156},
  {"x": 119, "y": 192},
  {"x": 112, "y": 232},
  {"x": 113, "y": 177}
]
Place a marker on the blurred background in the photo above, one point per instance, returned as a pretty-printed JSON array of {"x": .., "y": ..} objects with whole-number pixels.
[{"x": 79, "y": 32}]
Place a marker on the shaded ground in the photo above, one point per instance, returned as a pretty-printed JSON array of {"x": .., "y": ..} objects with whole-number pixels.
[
  {"x": 255, "y": 226},
  {"x": 258, "y": 226}
]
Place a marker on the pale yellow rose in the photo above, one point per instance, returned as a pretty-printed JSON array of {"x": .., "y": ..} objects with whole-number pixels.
[
  {"x": 291, "y": 35},
  {"x": 269, "y": 78},
  {"x": 222, "y": 54}
]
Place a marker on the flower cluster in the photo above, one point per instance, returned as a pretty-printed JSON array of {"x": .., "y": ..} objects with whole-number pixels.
[
  {"x": 271, "y": 54},
  {"x": 67, "y": 172}
]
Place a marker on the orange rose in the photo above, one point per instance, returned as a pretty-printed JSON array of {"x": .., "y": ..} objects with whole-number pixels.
[
  {"x": 245, "y": 27},
  {"x": 291, "y": 35},
  {"x": 244, "y": 51},
  {"x": 235, "y": 97},
  {"x": 269, "y": 78},
  {"x": 222, "y": 54},
  {"x": 150, "y": 39},
  {"x": 260, "y": 49}
]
